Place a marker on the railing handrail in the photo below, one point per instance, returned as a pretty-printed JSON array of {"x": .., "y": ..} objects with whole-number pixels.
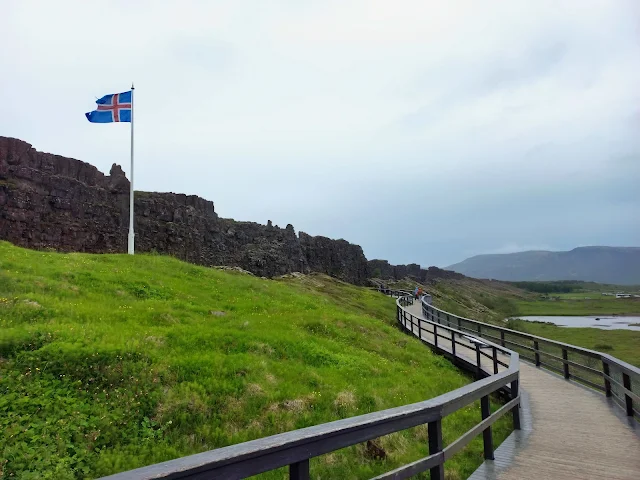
[
  {"x": 586, "y": 351},
  {"x": 295, "y": 448},
  {"x": 569, "y": 346},
  {"x": 607, "y": 360},
  {"x": 499, "y": 347}
]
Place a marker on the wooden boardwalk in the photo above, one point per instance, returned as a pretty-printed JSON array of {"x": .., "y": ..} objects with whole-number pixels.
[{"x": 568, "y": 431}]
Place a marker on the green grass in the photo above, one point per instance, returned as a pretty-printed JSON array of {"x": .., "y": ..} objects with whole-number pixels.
[
  {"x": 112, "y": 362},
  {"x": 582, "y": 296},
  {"x": 573, "y": 306}
]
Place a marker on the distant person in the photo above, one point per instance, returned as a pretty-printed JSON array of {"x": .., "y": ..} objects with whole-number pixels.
[{"x": 415, "y": 293}]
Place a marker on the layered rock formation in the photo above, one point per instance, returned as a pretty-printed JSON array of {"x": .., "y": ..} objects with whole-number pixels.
[
  {"x": 334, "y": 257},
  {"x": 381, "y": 269},
  {"x": 48, "y": 201}
]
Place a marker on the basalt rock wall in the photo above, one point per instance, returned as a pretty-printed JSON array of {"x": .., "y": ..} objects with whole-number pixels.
[
  {"x": 337, "y": 258},
  {"x": 381, "y": 269},
  {"x": 52, "y": 202}
]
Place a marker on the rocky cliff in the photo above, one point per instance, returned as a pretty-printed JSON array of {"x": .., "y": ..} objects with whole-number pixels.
[
  {"x": 49, "y": 201},
  {"x": 383, "y": 270},
  {"x": 335, "y": 257}
]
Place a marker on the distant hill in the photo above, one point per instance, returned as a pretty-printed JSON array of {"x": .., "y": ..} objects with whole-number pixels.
[{"x": 615, "y": 265}]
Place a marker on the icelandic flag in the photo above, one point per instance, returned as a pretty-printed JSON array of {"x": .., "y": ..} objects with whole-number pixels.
[{"x": 115, "y": 107}]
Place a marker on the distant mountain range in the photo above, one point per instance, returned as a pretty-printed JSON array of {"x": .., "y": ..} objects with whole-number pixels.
[{"x": 615, "y": 265}]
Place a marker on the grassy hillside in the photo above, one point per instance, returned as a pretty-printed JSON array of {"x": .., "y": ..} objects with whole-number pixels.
[
  {"x": 484, "y": 300},
  {"x": 111, "y": 362},
  {"x": 571, "y": 304}
]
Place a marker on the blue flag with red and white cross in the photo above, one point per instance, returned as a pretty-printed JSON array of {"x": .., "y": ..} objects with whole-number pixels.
[{"x": 115, "y": 107}]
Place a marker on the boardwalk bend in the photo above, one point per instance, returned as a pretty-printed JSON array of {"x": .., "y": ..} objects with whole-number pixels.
[{"x": 574, "y": 412}]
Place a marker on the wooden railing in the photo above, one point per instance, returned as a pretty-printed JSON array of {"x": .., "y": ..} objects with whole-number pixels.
[
  {"x": 393, "y": 292},
  {"x": 401, "y": 293},
  {"x": 295, "y": 448},
  {"x": 603, "y": 372}
]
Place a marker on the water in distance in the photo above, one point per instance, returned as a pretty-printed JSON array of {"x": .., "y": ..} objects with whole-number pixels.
[{"x": 606, "y": 323}]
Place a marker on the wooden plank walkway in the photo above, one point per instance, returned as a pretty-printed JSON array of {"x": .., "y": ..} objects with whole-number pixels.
[
  {"x": 445, "y": 343},
  {"x": 568, "y": 431}
]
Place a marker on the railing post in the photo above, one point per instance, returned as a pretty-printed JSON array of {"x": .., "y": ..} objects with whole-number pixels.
[
  {"x": 435, "y": 335},
  {"x": 502, "y": 338},
  {"x": 607, "y": 382},
  {"x": 299, "y": 470},
  {"x": 536, "y": 349},
  {"x": 453, "y": 343},
  {"x": 479, "y": 331},
  {"x": 565, "y": 365},
  {"x": 459, "y": 324},
  {"x": 487, "y": 437},
  {"x": 435, "y": 446},
  {"x": 495, "y": 360},
  {"x": 420, "y": 328},
  {"x": 478, "y": 369},
  {"x": 626, "y": 382},
  {"x": 515, "y": 410}
]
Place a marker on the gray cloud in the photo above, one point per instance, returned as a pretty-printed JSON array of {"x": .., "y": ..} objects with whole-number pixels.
[
  {"x": 480, "y": 77},
  {"x": 424, "y": 131}
]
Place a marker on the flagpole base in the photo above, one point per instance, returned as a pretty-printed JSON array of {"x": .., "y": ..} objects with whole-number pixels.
[{"x": 131, "y": 243}]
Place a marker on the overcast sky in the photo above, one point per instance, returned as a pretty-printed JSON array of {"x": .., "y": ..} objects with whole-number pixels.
[{"x": 425, "y": 131}]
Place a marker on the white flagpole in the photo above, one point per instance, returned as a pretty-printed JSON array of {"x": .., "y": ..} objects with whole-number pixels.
[{"x": 131, "y": 233}]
